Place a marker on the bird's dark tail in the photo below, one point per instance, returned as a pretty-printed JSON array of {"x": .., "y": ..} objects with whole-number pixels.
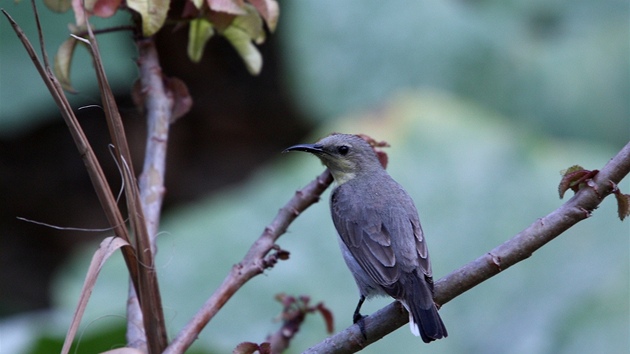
[{"x": 424, "y": 318}]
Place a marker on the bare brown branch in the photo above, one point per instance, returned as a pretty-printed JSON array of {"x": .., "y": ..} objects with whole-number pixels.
[
  {"x": 514, "y": 250},
  {"x": 255, "y": 261}
]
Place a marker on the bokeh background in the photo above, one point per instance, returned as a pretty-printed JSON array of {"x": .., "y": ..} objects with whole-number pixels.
[{"x": 483, "y": 102}]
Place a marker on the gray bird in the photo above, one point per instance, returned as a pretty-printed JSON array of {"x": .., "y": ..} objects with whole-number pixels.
[{"x": 380, "y": 234}]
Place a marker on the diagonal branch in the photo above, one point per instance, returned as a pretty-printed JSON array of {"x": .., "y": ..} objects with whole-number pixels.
[
  {"x": 255, "y": 261},
  {"x": 514, "y": 250}
]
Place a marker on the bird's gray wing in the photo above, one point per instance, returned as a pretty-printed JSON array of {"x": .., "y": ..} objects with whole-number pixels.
[
  {"x": 424, "y": 264},
  {"x": 367, "y": 238}
]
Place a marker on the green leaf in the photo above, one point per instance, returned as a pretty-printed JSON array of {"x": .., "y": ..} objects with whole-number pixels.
[
  {"x": 199, "y": 33},
  {"x": 241, "y": 41},
  {"x": 269, "y": 10},
  {"x": 153, "y": 13},
  {"x": 198, "y": 3},
  {"x": 58, "y": 5},
  {"x": 251, "y": 23},
  {"x": 63, "y": 61},
  {"x": 241, "y": 32}
]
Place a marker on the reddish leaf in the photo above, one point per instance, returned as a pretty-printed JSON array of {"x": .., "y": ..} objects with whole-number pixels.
[
  {"x": 137, "y": 95},
  {"x": 190, "y": 10},
  {"x": 328, "y": 317},
  {"x": 182, "y": 102},
  {"x": 220, "y": 20},
  {"x": 382, "y": 155},
  {"x": 264, "y": 348},
  {"x": 106, "y": 8},
  {"x": 250, "y": 348},
  {"x": 234, "y": 7},
  {"x": 573, "y": 178},
  {"x": 245, "y": 348},
  {"x": 623, "y": 204},
  {"x": 79, "y": 12}
]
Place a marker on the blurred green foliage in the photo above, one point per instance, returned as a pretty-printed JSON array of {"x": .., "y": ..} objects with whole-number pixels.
[
  {"x": 511, "y": 94},
  {"x": 24, "y": 99},
  {"x": 559, "y": 66},
  {"x": 476, "y": 179}
]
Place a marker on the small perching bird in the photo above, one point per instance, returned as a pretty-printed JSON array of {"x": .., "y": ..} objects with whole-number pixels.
[{"x": 380, "y": 234}]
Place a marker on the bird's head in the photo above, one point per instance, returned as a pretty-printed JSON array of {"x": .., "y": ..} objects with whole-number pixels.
[{"x": 346, "y": 156}]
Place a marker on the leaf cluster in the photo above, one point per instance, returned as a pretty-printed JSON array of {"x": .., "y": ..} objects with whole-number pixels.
[{"x": 241, "y": 22}]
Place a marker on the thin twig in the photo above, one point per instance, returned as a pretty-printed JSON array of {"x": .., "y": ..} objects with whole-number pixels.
[
  {"x": 103, "y": 191},
  {"x": 514, "y": 250},
  {"x": 101, "y": 186},
  {"x": 255, "y": 261},
  {"x": 150, "y": 300},
  {"x": 112, "y": 29}
]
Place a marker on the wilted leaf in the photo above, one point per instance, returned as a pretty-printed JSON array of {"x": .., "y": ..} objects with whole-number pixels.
[
  {"x": 199, "y": 33},
  {"x": 220, "y": 20},
  {"x": 328, "y": 317},
  {"x": 382, "y": 155},
  {"x": 234, "y": 7},
  {"x": 250, "y": 348},
  {"x": 106, "y": 8},
  {"x": 269, "y": 10},
  {"x": 63, "y": 60},
  {"x": 58, "y": 5},
  {"x": 137, "y": 95},
  {"x": 105, "y": 250},
  {"x": 182, "y": 102},
  {"x": 153, "y": 13},
  {"x": 623, "y": 205},
  {"x": 573, "y": 177}
]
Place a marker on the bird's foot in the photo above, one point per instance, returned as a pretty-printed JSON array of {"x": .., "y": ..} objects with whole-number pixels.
[{"x": 360, "y": 321}]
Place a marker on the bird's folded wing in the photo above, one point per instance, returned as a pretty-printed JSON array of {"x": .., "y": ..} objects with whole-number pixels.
[{"x": 369, "y": 241}]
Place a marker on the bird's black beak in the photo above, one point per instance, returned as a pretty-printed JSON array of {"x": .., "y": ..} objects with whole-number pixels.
[{"x": 312, "y": 148}]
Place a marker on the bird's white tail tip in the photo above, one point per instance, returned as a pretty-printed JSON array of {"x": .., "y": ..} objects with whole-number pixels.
[{"x": 413, "y": 326}]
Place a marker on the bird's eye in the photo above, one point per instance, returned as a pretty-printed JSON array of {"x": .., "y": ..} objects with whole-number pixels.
[{"x": 343, "y": 149}]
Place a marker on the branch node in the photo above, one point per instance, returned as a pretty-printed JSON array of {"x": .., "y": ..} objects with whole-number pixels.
[
  {"x": 269, "y": 231},
  {"x": 593, "y": 186},
  {"x": 496, "y": 260},
  {"x": 587, "y": 213},
  {"x": 278, "y": 255},
  {"x": 294, "y": 211}
]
